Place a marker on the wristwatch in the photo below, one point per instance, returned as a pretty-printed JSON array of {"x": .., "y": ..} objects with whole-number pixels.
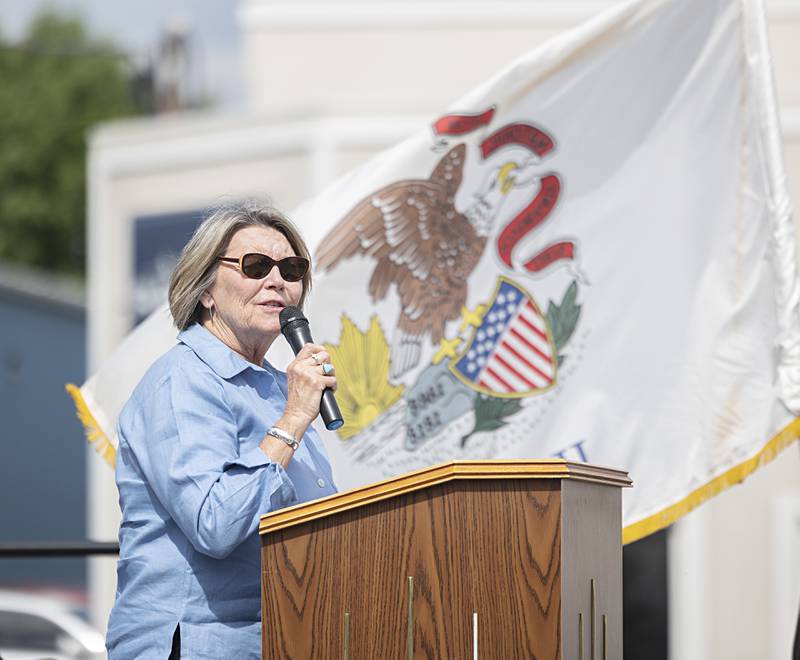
[{"x": 275, "y": 432}]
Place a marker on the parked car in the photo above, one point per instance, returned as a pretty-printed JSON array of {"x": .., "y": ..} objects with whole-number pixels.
[{"x": 34, "y": 627}]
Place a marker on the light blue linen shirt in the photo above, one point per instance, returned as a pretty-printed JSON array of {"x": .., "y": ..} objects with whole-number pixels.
[{"x": 193, "y": 483}]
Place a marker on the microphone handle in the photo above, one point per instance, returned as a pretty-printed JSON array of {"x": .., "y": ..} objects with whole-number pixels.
[{"x": 328, "y": 408}]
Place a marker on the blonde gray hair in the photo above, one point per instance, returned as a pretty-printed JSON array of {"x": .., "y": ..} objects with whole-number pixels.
[{"x": 197, "y": 266}]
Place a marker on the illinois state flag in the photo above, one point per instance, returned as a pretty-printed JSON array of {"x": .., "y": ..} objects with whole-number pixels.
[{"x": 591, "y": 256}]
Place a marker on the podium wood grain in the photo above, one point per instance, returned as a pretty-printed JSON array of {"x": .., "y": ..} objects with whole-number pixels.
[{"x": 490, "y": 547}]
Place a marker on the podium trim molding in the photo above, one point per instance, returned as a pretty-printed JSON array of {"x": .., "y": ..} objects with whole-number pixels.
[{"x": 439, "y": 474}]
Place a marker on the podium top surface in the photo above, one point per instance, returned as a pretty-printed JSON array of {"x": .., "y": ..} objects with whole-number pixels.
[{"x": 439, "y": 474}]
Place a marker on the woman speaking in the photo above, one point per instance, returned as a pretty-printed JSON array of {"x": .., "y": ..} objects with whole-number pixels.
[{"x": 213, "y": 437}]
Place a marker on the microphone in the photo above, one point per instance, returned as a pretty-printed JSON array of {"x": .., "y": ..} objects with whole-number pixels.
[{"x": 294, "y": 327}]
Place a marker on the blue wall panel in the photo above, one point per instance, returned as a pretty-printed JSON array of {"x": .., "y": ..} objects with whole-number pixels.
[{"x": 42, "y": 446}]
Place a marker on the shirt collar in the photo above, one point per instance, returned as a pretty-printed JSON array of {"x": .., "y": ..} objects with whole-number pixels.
[{"x": 211, "y": 350}]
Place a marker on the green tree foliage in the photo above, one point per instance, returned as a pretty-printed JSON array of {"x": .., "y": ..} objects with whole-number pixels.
[{"x": 54, "y": 85}]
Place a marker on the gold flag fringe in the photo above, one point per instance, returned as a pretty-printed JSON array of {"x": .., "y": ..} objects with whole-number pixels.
[
  {"x": 94, "y": 432},
  {"x": 733, "y": 476}
]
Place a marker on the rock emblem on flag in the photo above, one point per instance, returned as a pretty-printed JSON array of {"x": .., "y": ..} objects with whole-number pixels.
[
  {"x": 513, "y": 351},
  {"x": 426, "y": 247}
]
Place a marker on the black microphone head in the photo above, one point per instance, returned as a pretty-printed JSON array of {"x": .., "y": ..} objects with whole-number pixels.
[{"x": 291, "y": 317}]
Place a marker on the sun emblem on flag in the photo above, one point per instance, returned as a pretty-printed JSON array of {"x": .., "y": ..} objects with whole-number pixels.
[
  {"x": 362, "y": 364},
  {"x": 511, "y": 352}
]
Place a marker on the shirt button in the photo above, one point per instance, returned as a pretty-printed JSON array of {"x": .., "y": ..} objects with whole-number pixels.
[{"x": 321, "y": 483}]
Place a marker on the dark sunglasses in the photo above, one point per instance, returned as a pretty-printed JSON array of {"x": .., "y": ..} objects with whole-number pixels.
[{"x": 257, "y": 266}]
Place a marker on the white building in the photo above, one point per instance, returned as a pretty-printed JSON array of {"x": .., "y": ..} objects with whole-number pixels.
[{"x": 331, "y": 83}]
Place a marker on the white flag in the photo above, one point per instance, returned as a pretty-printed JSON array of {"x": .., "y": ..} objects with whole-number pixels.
[{"x": 591, "y": 257}]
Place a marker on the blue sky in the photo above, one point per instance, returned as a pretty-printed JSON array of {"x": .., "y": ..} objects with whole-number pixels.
[{"x": 136, "y": 26}]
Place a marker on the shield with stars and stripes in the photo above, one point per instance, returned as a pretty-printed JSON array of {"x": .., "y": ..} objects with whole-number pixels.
[{"x": 511, "y": 353}]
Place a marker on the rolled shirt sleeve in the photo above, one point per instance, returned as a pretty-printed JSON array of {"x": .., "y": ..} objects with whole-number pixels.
[{"x": 214, "y": 484}]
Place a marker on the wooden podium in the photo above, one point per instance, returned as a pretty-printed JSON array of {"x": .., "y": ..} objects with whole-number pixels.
[{"x": 470, "y": 559}]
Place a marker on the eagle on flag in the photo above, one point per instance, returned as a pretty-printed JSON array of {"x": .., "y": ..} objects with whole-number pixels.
[{"x": 423, "y": 245}]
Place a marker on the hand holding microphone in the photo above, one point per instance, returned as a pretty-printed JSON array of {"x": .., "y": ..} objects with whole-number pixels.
[{"x": 294, "y": 326}]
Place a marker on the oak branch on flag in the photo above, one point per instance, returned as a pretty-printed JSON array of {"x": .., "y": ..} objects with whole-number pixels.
[{"x": 590, "y": 256}]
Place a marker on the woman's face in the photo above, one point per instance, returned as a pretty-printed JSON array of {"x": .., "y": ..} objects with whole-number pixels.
[{"x": 246, "y": 307}]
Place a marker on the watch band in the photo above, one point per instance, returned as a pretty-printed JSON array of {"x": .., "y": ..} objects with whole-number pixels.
[{"x": 290, "y": 440}]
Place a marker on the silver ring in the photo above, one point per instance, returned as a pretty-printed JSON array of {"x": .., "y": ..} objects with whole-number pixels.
[
  {"x": 327, "y": 369},
  {"x": 315, "y": 357}
]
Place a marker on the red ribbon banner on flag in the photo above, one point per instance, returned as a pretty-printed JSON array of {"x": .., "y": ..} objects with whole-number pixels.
[
  {"x": 462, "y": 124},
  {"x": 536, "y": 212},
  {"x": 526, "y": 135}
]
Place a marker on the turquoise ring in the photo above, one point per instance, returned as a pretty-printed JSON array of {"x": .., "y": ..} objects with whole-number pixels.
[{"x": 327, "y": 369}]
